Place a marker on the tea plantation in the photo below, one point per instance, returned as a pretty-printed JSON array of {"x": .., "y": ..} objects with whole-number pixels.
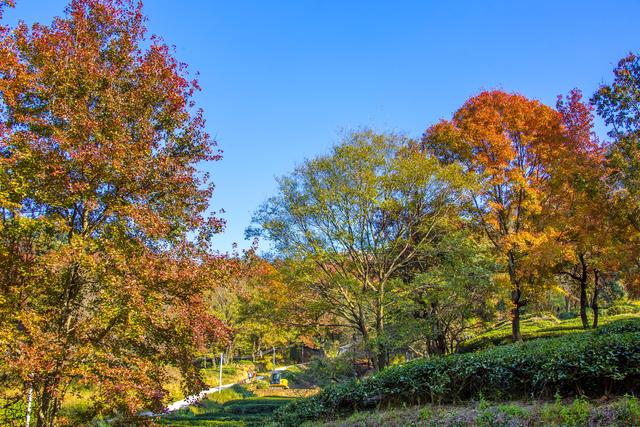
[{"x": 604, "y": 361}]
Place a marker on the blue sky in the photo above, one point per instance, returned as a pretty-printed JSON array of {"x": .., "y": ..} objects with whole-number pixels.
[{"x": 281, "y": 79}]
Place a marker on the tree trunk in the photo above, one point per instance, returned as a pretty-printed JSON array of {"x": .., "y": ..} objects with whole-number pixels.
[
  {"x": 48, "y": 405},
  {"x": 516, "y": 296},
  {"x": 380, "y": 347},
  {"x": 382, "y": 357},
  {"x": 584, "y": 276},
  {"x": 50, "y": 392},
  {"x": 370, "y": 348},
  {"x": 583, "y": 305},
  {"x": 567, "y": 304},
  {"x": 229, "y": 350},
  {"x": 438, "y": 338},
  {"x": 515, "y": 314},
  {"x": 594, "y": 300}
]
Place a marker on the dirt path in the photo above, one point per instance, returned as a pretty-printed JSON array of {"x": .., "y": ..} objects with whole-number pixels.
[{"x": 195, "y": 398}]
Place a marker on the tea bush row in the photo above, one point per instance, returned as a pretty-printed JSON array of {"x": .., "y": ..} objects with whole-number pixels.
[{"x": 592, "y": 363}]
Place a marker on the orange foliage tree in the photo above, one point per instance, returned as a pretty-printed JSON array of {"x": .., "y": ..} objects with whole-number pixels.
[
  {"x": 576, "y": 206},
  {"x": 511, "y": 142}
]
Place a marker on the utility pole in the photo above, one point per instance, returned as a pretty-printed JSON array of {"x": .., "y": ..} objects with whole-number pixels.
[
  {"x": 274, "y": 358},
  {"x": 29, "y": 405},
  {"x": 220, "y": 387}
]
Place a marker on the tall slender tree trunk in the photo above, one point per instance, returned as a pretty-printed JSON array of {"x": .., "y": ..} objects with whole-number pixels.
[
  {"x": 49, "y": 404},
  {"x": 382, "y": 357},
  {"x": 381, "y": 352},
  {"x": 29, "y": 402},
  {"x": 438, "y": 340},
  {"x": 366, "y": 339},
  {"x": 583, "y": 305},
  {"x": 583, "y": 293},
  {"x": 516, "y": 299},
  {"x": 515, "y": 314},
  {"x": 594, "y": 300},
  {"x": 230, "y": 350}
]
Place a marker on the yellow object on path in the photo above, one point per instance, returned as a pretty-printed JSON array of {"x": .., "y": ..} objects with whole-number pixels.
[{"x": 277, "y": 381}]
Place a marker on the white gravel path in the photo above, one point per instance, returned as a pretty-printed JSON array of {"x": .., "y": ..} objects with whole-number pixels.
[{"x": 195, "y": 398}]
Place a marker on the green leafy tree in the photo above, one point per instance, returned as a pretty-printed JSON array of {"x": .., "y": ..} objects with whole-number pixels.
[
  {"x": 355, "y": 218},
  {"x": 455, "y": 293},
  {"x": 511, "y": 143}
]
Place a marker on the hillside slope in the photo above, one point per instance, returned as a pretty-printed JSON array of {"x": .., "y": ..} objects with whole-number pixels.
[{"x": 604, "y": 361}]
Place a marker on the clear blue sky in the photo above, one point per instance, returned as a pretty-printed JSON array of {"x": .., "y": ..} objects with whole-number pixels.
[{"x": 281, "y": 78}]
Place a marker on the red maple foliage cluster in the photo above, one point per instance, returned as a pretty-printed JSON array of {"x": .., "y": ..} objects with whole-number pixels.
[{"x": 103, "y": 239}]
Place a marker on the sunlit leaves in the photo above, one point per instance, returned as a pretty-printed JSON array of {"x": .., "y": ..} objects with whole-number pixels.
[
  {"x": 511, "y": 142},
  {"x": 100, "y": 196}
]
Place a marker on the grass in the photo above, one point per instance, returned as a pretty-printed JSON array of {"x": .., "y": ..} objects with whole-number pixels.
[
  {"x": 230, "y": 374},
  {"x": 534, "y": 327},
  {"x": 240, "y": 405},
  {"x": 621, "y": 412}
]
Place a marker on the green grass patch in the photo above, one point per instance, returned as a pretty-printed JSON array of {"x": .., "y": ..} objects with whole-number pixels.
[
  {"x": 533, "y": 328},
  {"x": 230, "y": 374}
]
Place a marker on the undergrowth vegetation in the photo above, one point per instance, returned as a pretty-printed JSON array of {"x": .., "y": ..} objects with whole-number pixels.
[
  {"x": 623, "y": 412},
  {"x": 605, "y": 360}
]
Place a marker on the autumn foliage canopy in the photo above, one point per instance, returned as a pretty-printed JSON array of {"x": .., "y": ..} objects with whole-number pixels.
[{"x": 103, "y": 238}]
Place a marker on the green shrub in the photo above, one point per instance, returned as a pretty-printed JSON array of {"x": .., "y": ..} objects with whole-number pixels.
[
  {"x": 622, "y": 307},
  {"x": 262, "y": 385},
  {"x": 257, "y": 407},
  {"x": 323, "y": 371},
  {"x": 514, "y": 411},
  {"x": 502, "y": 416},
  {"x": 566, "y": 315},
  {"x": 227, "y": 394},
  {"x": 426, "y": 414},
  {"x": 588, "y": 362},
  {"x": 550, "y": 414},
  {"x": 576, "y": 414},
  {"x": 621, "y": 326},
  {"x": 628, "y": 411}
]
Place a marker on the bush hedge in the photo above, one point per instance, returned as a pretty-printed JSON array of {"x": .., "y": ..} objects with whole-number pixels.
[{"x": 592, "y": 363}]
